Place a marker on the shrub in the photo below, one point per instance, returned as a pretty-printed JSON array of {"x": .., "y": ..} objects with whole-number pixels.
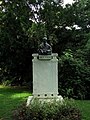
[
  {"x": 74, "y": 76},
  {"x": 48, "y": 111}
]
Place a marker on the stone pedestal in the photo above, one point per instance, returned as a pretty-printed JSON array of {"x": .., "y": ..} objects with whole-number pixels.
[{"x": 45, "y": 76}]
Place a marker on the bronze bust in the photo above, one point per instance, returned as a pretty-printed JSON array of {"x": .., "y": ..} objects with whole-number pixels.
[{"x": 44, "y": 48}]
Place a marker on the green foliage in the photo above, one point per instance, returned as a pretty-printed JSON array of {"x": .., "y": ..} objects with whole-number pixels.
[
  {"x": 22, "y": 27},
  {"x": 48, "y": 111},
  {"x": 74, "y": 75},
  {"x": 15, "y": 55}
]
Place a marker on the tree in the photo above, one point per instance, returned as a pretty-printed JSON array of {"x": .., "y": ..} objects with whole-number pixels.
[
  {"x": 23, "y": 25},
  {"x": 15, "y": 44}
]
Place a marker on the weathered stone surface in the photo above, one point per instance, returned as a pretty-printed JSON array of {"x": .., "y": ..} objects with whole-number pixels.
[{"x": 45, "y": 76}]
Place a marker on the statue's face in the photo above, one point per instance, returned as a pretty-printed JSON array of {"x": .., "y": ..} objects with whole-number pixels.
[
  {"x": 45, "y": 38},
  {"x": 44, "y": 41}
]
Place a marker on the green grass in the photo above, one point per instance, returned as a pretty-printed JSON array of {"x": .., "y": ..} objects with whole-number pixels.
[
  {"x": 10, "y": 99},
  {"x": 84, "y": 106}
]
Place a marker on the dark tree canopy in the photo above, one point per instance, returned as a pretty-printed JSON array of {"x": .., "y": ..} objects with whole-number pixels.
[{"x": 23, "y": 23}]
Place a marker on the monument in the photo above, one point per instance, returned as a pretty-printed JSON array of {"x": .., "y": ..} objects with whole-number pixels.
[{"x": 45, "y": 74}]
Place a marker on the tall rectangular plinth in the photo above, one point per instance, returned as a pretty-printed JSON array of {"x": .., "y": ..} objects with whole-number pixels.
[{"x": 45, "y": 75}]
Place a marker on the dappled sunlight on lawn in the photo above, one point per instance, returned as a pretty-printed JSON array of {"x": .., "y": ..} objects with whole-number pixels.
[
  {"x": 20, "y": 95},
  {"x": 10, "y": 99}
]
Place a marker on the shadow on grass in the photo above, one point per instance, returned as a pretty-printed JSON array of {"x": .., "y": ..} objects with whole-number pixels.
[{"x": 10, "y": 99}]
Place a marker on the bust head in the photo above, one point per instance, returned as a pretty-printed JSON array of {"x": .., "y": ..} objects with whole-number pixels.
[
  {"x": 45, "y": 48},
  {"x": 45, "y": 40}
]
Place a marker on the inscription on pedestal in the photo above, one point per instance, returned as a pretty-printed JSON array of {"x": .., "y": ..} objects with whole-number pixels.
[{"x": 44, "y": 57}]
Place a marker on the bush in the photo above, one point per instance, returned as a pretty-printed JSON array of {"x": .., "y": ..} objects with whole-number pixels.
[
  {"x": 48, "y": 111},
  {"x": 74, "y": 76}
]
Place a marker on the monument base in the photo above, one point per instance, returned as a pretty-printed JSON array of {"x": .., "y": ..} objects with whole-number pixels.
[
  {"x": 47, "y": 99},
  {"x": 45, "y": 75}
]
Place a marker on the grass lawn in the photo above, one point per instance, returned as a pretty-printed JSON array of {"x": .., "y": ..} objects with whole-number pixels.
[
  {"x": 84, "y": 106},
  {"x": 11, "y": 98}
]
